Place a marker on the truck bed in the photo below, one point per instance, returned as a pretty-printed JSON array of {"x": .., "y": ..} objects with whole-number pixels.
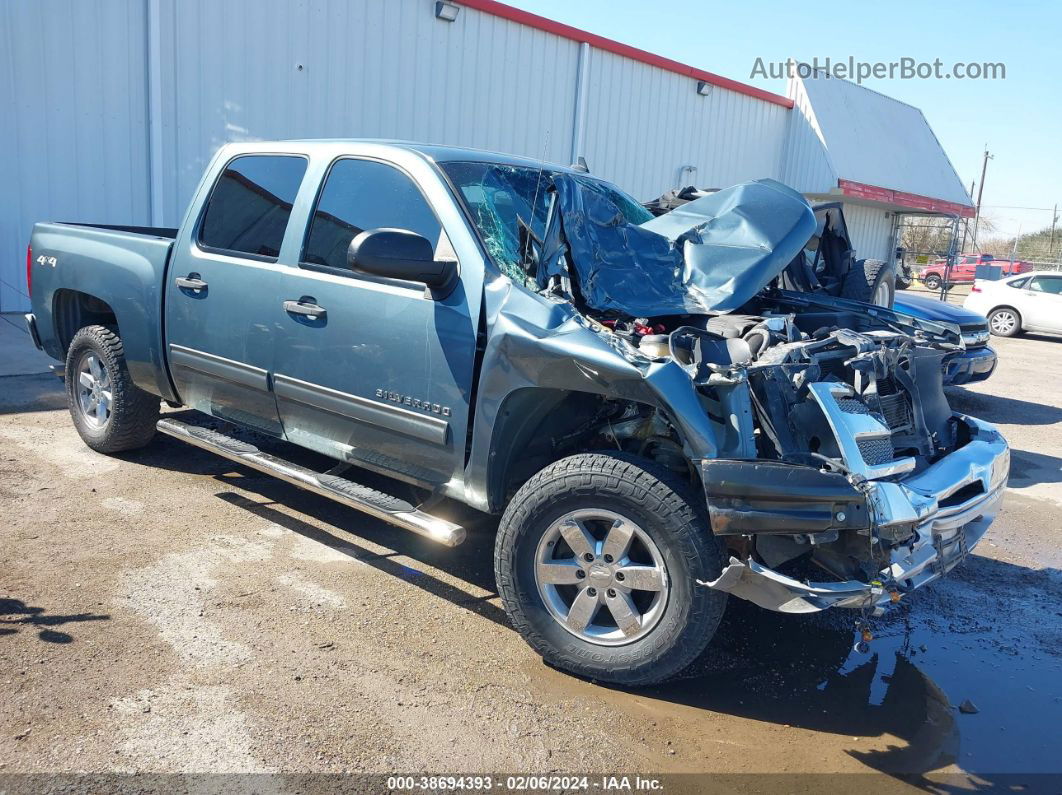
[{"x": 123, "y": 269}]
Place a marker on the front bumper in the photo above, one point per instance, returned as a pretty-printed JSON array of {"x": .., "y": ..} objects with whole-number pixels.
[
  {"x": 950, "y": 505},
  {"x": 974, "y": 364}
]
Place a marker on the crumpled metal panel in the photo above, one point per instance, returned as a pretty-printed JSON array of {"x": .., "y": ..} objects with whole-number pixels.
[{"x": 711, "y": 255}]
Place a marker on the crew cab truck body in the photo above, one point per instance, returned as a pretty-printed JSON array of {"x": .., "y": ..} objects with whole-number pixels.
[{"x": 664, "y": 411}]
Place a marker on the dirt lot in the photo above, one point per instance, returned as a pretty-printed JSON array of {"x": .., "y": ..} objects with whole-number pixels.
[{"x": 165, "y": 611}]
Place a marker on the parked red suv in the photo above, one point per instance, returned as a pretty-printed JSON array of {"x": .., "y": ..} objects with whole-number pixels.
[{"x": 962, "y": 272}]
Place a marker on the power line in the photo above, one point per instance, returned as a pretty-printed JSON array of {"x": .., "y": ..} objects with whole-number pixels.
[{"x": 1016, "y": 207}]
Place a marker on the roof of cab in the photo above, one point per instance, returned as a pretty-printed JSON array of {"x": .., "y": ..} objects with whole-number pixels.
[{"x": 440, "y": 153}]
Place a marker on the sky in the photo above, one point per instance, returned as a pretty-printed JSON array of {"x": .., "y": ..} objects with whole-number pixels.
[{"x": 1019, "y": 117}]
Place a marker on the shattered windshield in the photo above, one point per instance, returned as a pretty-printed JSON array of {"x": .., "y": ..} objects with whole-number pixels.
[
  {"x": 712, "y": 254},
  {"x": 509, "y": 202}
]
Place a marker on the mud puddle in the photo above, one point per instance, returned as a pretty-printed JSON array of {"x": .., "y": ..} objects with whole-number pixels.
[{"x": 990, "y": 636}]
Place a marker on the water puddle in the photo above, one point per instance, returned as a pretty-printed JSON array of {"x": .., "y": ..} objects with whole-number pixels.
[{"x": 990, "y": 635}]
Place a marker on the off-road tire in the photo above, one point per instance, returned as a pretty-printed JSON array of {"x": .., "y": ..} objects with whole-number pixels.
[
  {"x": 666, "y": 509},
  {"x": 932, "y": 282},
  {"x": 133, "y": 413},
  {"x": 1002, "y": 330},
  {"x": 866, "y": 277}
]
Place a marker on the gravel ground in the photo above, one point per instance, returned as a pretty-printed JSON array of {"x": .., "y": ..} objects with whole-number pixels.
[{"x": 164, "y": 611}]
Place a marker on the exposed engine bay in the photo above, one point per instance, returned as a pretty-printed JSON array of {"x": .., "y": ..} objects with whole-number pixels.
[
  {"x": 834, "y": 468},
  {"x": 848, "y": 403}
]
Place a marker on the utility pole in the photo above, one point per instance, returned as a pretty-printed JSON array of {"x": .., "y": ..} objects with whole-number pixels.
[
  {"x": 980, "y": 192},
  {"x": 1054, "y": 220},
  {"x": 966, "y": 222}
]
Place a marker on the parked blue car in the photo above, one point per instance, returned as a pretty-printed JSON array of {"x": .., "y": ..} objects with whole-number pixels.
[{"x": 974, "y": 364}]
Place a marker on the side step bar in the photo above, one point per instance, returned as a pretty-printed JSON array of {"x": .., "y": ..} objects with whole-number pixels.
[{"x": 354, "y": 495}]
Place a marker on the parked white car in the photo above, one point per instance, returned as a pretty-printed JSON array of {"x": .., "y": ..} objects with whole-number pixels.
[{"x": 1028, "y": 302}]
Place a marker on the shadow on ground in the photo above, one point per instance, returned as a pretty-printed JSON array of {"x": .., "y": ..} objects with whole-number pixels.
[
  {"x": 16, "y": 614},
  {"x": 1028, "y": 469},
  {"x": 20, "y": 394},
  {"x": 1003, "y": 410}
]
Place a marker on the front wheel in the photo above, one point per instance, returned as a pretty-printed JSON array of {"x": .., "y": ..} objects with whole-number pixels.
[
  {"x": 932, "y": 282},
  {"x": 1004, "y": 322},
  {"x": 596, "y": 560}
]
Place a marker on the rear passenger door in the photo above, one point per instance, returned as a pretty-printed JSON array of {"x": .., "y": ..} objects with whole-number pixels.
[
  {"x": 380, "y": 372},
  {"x": 224, "y": 291}
]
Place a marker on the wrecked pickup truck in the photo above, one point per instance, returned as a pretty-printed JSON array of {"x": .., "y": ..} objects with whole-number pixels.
[{"x": 664, "y": 411}]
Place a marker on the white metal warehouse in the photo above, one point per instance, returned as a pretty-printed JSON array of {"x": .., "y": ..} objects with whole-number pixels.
[{"x": 113, "y": 108}]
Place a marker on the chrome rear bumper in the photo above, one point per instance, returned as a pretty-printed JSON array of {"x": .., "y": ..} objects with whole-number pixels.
[{"x": 950, "y": 506}]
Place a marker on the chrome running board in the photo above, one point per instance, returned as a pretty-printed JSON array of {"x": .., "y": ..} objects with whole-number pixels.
[{"x": 347, "y": 492}]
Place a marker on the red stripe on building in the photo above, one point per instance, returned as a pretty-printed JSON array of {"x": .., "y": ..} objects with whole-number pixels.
[
  {"x": 858, "y": 190},
  {"x": 608, "y": 45}
]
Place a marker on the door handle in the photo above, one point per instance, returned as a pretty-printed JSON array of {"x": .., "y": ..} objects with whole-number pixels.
[
  {"x": 190, "y": 282},
  {"x": 305, "y": 308}
]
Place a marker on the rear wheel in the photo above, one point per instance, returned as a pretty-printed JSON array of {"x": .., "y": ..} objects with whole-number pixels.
[
  {"x": 1004, "y": 322},
  {"x": 110, "y": 412},
  {"x": 932, "y": 282},
  {"x": 596, "y": 561}
]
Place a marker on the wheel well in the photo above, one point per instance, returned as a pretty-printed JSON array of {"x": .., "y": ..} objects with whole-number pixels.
[
  {"x": 537, "y": 426},
  {"x": 73, "y": 310}
]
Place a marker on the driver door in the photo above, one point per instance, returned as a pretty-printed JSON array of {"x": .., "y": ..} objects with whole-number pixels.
[{"x": 374, "y": 370}]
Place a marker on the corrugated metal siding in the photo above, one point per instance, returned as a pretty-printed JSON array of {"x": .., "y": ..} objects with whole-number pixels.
[
  {"x": 644, "y": 124},
  {"x": 73, "y": 140},
  {"x": 877, "y": 140},
  {"x": 870, "y": 229},
  {"x": 369, "y": 70},
  {"x": 807, "y": 165}
]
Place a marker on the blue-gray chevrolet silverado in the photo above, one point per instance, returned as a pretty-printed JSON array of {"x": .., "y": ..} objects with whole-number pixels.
[{"x": 664, "y": 411}]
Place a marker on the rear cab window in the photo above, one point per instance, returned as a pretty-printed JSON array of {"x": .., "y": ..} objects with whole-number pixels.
[{"x": 250, "y": 204}]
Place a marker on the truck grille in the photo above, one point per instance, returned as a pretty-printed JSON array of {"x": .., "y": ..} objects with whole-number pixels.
[
  {"x": 974, "y": 335},
  {"x": 852, "y": 405},
  {"x": 876, "y": 451}
]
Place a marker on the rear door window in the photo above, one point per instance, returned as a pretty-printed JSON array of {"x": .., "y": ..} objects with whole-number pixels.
[
  {"x": 360, "y": 195},
  {"x": 1047, "y": 284},
  {"x": 249, "y": 207}
]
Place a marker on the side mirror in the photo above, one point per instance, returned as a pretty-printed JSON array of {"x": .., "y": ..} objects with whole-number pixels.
[{"x": 401, "y": 254}]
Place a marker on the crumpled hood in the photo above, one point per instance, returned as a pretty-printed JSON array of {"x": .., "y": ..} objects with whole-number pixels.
[{"x": 711, "y": 255}]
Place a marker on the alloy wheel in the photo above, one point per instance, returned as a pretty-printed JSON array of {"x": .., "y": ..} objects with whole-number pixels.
[
  {"x": 1003, "y": 322},
  {"x": 94, "y": 393},
  {"x": 601, "y": 577}
]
